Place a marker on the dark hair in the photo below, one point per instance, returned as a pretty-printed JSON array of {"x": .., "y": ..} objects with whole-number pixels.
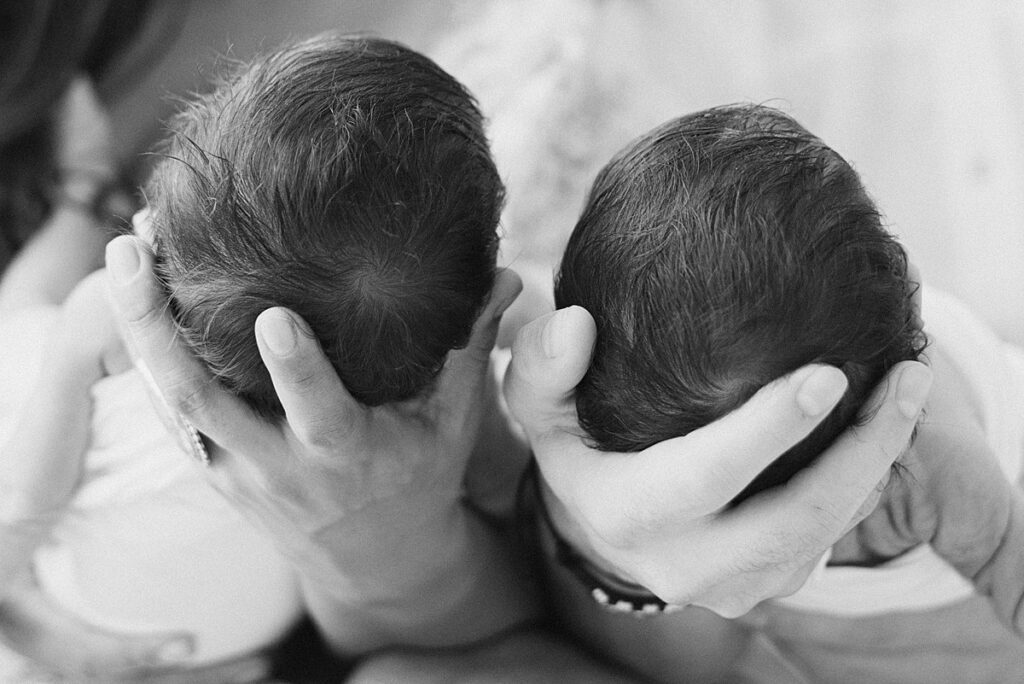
[
  {"x": 348, "y": 179},
  {"x": 718, "y": 252}
]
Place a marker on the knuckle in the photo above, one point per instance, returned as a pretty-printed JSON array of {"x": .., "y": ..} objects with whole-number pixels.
[
  {"x": 478, "y": 350},
  {"x": 782, "y": 550},
  {"x": 139, "y": 317},
  {"x": 624, "y": 528},
  {"x": 663, "y": 583},
  {"x": 735, "y": 595},
  {"x": 320, "y": 435},
  {"x": 734, "y": 606},
  {"x": 190, "y": 400},
  {"x": 823, "y": 519},
  {"x": 302, "y": 378}
]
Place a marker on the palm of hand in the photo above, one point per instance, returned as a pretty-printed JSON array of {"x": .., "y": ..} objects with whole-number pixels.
[{"x": 336, "y": 480}]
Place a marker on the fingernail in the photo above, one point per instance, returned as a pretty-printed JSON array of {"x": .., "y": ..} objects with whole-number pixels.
[
  {"x": 912, "y": 389},
  {"x": 821, "y": 390},
  {"x": 122, "y": 260},
  {"x": 552, "y": 335},
  {"x": 278, "y": 331},
  {"x": 174, "y": 651}
]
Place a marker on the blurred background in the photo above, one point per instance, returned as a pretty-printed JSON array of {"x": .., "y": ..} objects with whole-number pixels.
[{"x": 924, "y": 97}]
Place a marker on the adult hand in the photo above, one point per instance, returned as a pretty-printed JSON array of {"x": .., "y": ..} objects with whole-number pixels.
[
  {"x": 660, "y": 517},
  {"x": 364, "y": 501}
]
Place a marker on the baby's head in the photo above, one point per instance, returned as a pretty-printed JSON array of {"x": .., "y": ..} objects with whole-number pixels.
[
  {"x": 718, "y": 252},
  {"x": 348, "y": 179}
]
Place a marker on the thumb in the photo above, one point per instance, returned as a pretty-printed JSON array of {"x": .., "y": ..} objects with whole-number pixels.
[
  {"x": 461, "y": 381},
  {"x": 507, "y": 288},
  {"x": 549, "y": 358}
]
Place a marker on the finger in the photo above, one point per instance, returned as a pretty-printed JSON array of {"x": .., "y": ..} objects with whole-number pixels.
[
  {"x": 549, "y": 358},
  {"x": 701, "y": 472},
  {"x": 869, "y": 504},
  {"x": 319, "y": 409},
  {"x": 184, "y": 383},
  {"x": 736, "y": 448},
  {"x": 862, "y": 456},
  {"x": 821, "y": 502},
  {"x": 458, "y": 387}
]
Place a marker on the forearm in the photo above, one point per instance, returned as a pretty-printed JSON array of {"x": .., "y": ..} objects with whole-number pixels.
[{"x": 449, "y": 588}]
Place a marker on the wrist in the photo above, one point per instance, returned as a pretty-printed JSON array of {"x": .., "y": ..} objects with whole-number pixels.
[
  {"x": 378, "y": 556},
  {"x": 435, "y": 591},
  {"x": 608, "y": 589}
]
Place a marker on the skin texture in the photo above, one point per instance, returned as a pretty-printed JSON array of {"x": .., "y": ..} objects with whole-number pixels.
[
  {"x": 658, "y": 518},
  {"x": 289, "y": 480},
  {"x": 781, "y": 535},
  {"x": 366, "y": 503},
  {"x": 540, "y": 385}
]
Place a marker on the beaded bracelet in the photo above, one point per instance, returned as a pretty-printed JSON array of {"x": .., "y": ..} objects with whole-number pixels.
[
  {"x": 189, "y": 438},
  {"x": 610, "y": 592}
]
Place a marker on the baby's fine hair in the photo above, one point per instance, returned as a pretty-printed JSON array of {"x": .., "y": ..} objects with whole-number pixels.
[
  {"x": 345, "y": 178},
  {"x": 717, "y": 253}
]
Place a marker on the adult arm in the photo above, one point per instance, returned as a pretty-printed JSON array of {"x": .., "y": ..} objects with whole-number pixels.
[
  {"x": 365, "y": 502},
  {"x": 660, "y": 519}
]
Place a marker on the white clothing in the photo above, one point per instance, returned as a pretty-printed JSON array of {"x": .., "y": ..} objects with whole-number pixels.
[
  {"x": 921, "y": 579},
  {"x": 147, "y": 544}
]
